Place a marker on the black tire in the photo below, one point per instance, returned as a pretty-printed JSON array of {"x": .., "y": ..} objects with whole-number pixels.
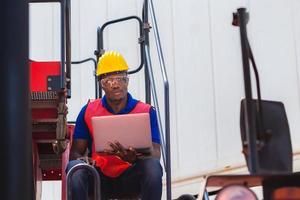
[{"x": 186, "y": 197}]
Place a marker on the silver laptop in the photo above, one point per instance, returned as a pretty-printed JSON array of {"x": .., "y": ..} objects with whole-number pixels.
[{"x": 131, "y": 130}]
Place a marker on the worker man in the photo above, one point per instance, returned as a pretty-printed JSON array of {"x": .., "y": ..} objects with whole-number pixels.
[{"x": 123, "y": 172}]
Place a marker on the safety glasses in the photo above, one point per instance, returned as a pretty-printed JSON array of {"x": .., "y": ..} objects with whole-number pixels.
[{"x": 116, "y": 79}]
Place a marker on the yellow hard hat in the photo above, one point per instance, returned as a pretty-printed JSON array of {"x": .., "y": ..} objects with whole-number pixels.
[{"x": 111, "y": 61}]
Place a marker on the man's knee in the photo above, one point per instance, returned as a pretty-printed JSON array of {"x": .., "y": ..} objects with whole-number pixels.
[
  {"x": 72, "y": 163},
  {"x": 79, "y": 174},
  {"x": 151, "y": 179},
  {"x": 151, "y": 167}
]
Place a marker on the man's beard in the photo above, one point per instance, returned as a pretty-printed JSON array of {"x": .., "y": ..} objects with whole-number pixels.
[{"x": 117, "y": 101}]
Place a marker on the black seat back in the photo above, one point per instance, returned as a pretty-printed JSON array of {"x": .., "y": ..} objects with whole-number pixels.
[{"x": 275, "y": 156}]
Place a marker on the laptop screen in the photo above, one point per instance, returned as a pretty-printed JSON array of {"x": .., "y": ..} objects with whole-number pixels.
[{"x": 131, "y": 130}]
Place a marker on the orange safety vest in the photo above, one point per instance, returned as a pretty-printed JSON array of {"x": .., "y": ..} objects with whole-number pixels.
[{"x": 110, "y": 165}]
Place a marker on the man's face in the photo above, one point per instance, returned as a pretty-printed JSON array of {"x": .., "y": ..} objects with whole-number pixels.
[{"x": 115, "y": 86}]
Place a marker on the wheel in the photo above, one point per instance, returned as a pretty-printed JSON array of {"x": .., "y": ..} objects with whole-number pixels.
[{"x": 186, "y": 197}]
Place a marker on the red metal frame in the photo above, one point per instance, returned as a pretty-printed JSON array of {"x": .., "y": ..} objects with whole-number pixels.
[
  {"x": 64, "y": 162},
  {"x": 37, "y": 171}
]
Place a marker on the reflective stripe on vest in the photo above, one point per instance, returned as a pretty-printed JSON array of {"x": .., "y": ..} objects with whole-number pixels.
[{"x": 111, "y": 166}]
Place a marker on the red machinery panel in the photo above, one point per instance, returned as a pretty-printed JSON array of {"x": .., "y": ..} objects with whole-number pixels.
[
  {"x": 45, "y": 113},
  {"x": 39, "y": 72}
]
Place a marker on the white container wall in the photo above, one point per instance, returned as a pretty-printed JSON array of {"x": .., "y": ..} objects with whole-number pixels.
[{"x": 203, "y": 60}]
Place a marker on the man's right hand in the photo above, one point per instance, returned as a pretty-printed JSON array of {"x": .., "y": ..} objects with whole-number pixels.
[{"x": 78, "y": 149}]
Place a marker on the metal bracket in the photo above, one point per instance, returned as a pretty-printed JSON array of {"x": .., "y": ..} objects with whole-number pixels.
[
  {"x": 141, "y": 39},
  {"x": 53, "y": 83},
  {"x": 236, "y": 20},
  {"x": 99, "y": 53},
  {"x": 147, "y": 26}
]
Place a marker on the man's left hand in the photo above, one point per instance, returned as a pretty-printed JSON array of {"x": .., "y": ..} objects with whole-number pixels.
[{"x": 128, "y": 155}]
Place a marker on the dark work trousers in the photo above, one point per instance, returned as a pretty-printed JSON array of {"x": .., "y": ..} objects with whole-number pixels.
[{"x": 143, "y": 180}]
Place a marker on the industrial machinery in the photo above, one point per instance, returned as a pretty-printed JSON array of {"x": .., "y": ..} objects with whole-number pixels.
[
  {"x": 265, "y": 138},
  {"x": 264, "y": 125},
  {"x": 50, "y": 88}
]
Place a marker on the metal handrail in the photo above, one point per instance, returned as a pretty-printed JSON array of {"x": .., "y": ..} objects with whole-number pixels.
[
  {"x": 166, "y": 144},
  {"x": 100, "y": 31},
  {"x": 156, "y": 105},
  {"x": 90, "y": 168}
]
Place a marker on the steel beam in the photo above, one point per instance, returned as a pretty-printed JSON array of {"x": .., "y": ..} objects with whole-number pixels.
[{"x": 16, "y": 138}]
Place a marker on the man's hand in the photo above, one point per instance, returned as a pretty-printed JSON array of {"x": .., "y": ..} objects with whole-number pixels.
[
  {"x": 128, "y": 155},
  {"x": 78, "y": 149}
]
